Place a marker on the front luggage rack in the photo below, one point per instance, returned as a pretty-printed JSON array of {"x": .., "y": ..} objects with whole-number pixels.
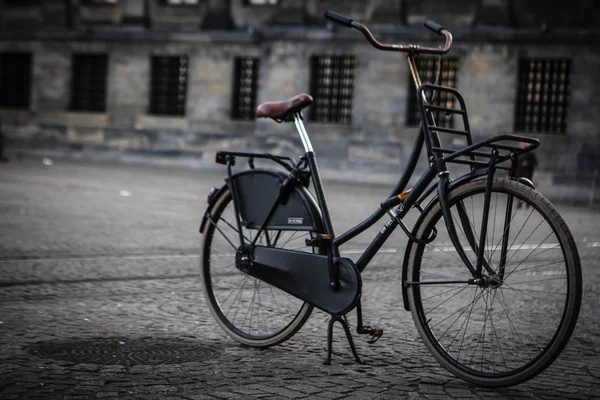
[{"x": 476, "y": 155}]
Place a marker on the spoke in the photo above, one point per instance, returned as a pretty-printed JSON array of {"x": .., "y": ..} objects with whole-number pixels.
[
  {"x": 221, "y": 232},
  {"x": 504, "y": 231},
  {"x": 485, "y": 319},
  {"x": 225, "y": 266},
  {"x": 294, "y": 239},
  {"x": 236, "y": 300},
  {"x": 538, "y": 280},
  {"x": 445, "y": 301},
  {"x": 444, "y": 251},
  {"x": 506, "y": 286},
  {"x": 534, "y": 325},
  {"x": 513, "y": 328},
  {"x": 444, "y": 292},
  {"x": 481, "y": 332},
  {"x": 539, "y": 266},
  {"x": 467, "y": 326},
  {"x": 261, "y": 310},
  {"x": 250, "y": 309},
  {"x": 530, "y": 253},
  {"x": 558, "y": 246},
  {"x": 287, "y": 241},
  {"x": 451, "y": 315},
  {"x": 452, "y": 324},
  {"x": 234, "y": 228},
  {"x": 496, "y": 334},
  {"x": 524, "y": 241}
]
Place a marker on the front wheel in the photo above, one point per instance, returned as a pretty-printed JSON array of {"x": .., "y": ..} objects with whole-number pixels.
[{"x": 511, "y": 325}]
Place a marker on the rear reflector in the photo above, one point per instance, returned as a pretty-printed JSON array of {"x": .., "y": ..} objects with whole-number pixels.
[{"x": 211, "y": 194}]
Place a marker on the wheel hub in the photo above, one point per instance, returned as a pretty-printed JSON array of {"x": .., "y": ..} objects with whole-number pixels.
[
  {"x": 243, "y": 261},
  {"x": 488, "y": 281}
]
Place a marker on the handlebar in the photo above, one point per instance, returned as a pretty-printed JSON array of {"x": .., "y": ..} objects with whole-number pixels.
[
  {"x": 410, "y": 48},
  {"x": 338, "y": 19}
]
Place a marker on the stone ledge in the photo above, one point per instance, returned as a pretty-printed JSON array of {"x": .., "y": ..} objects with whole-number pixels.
[
  {"x": 330, "y": 169},
  {"x": 404, "y": 34}
]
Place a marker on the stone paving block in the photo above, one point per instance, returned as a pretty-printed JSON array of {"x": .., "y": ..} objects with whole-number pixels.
[
  {"x": 282, "y": 392},
  {"x": 127, "y": 268},
  {"x": 330, "y": 395},
  {"x": 304, "y": 388},
  {"x": 102, "y": 395}
]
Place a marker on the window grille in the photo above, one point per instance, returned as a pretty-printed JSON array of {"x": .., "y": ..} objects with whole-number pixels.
[
  {"x": 259, "y": 2},
  {"x": 100, "y": 2},
  {"x": 332, "y": 87},
  {"x": 180, "y": 2},
  {"x": 543, "y": 95},
  {"x": 88, "y": 84},
  {"x": 168, "y": 85},
  {"x": 23, "y": 3},
  {"x": 245, "y": 86},
  {"x": 428, "y": 67},
  {"x": 15, "y": 80}
]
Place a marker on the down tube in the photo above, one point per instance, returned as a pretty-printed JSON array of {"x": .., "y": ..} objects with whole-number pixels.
[{"x": 392, "y": 223}]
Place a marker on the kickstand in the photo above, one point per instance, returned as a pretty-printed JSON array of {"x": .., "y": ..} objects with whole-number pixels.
[{"x": 344, "y": 323}]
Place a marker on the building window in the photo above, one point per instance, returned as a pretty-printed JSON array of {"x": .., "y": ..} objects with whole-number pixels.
[
  {"x": 100, "y": 2},
  {"x": 15, "y": 80},
  {"x": 244, "y": 88},
  {"x": 23, "y": 3},
  {"x": 543, "y": 95},
  {"x": 88, "y": 84},
  {"x": 428, "y": 69},
  {"x": 169, "y": 85},
  {"x": 332, "y": 87},
  {"x": 260, "y": 2},
  {"x": 180, "y": 2}
]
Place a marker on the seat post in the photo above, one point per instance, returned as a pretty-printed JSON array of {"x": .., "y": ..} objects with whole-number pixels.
[{"x": 302, "y": 132}]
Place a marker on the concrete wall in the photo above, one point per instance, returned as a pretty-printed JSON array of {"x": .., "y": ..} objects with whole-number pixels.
[{"x": 377, "y": 139}]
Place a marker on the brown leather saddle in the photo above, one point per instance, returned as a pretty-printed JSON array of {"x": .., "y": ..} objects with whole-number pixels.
[{"x": 283, "y": 111}]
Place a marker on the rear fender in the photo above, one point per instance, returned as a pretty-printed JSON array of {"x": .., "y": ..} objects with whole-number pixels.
[{"x": 211, "y": 204}]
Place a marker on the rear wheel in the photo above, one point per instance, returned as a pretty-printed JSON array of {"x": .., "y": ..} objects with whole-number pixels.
[
  {"x": 513, "y": 324},
  {"x": 249, "y": 310}
]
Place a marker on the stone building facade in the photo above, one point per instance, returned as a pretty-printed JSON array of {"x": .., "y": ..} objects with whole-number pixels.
[{"x": 177, "y": 77}]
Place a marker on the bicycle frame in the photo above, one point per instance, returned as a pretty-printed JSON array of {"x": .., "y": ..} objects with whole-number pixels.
[
  {"x": 401, "y": 198},
  {"x": 268, "y": 202}
]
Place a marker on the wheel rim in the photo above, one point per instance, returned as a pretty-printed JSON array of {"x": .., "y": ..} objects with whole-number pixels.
[
  {"x": 494, "y": 331},
  {"x": 246, "y": 307}
]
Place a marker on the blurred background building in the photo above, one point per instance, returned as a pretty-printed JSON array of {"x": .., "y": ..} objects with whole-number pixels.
[{"x": 183, "y": 77}]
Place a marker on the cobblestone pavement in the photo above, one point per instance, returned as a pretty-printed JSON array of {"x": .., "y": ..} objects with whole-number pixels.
[{"x": 100, "y": 298}]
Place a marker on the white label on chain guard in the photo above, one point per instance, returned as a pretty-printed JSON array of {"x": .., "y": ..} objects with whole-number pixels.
[{"x": 295, "y": 221}]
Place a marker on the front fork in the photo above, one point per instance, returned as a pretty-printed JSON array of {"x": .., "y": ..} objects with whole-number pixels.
[{"x": 468, "y": 228}]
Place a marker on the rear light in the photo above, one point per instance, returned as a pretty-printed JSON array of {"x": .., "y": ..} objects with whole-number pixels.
[{"x": 211, "y": 194}]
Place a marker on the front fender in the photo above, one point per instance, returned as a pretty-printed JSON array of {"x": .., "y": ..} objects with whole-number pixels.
[{"x": 477, "y": 174}]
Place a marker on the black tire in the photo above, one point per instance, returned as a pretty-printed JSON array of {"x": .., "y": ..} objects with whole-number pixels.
[
  {"x": 509, "y": 331},
  {"x": 232, "y": 295}
]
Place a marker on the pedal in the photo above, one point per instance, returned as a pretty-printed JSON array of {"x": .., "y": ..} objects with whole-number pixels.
[
  {"x": 375, "y": 333},
  {"x": 318, "y": 240}
]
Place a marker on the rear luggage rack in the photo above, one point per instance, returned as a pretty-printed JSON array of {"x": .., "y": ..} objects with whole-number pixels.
[{"x": 476, "y": 155}]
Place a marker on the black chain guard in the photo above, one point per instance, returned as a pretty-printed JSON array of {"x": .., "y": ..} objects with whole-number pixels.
[{"x": 306, "y": 276}]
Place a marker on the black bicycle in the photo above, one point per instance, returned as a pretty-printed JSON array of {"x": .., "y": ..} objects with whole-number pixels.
[{"x": 491, "y": 273}]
